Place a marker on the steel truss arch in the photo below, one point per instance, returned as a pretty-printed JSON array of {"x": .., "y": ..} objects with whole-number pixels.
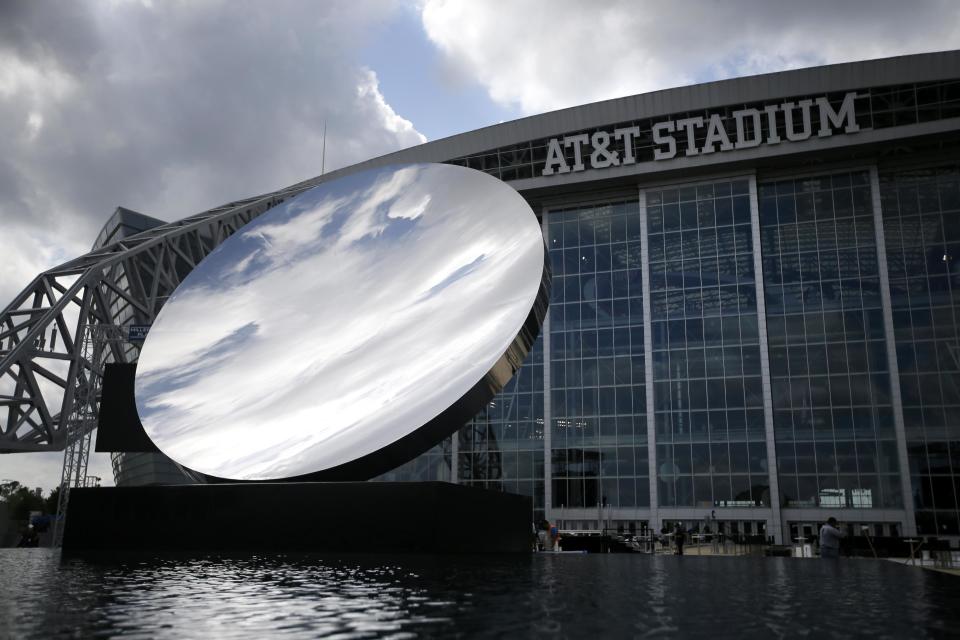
[{"x": 43, "y": 366}]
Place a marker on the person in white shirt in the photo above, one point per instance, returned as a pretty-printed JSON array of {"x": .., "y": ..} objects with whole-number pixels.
[
  {"x": 830, "y": 537},
  {"x": 543, "y": 536}
]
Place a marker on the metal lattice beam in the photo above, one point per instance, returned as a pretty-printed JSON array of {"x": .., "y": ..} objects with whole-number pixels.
[
  {"x": 42, "y": 360},
  {"x": 83, "y": 419}
]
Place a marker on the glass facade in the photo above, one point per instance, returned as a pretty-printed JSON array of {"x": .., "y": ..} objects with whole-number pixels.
[
  {"x": 921, "y": 218},
  {"x": 431, "y": 466},
  {"x": 502, "y": 447},
  {"x": 598, "y": 397},
  {"x": 832, "y": 411},
  {"x": 830, "y": 383},
  {"x": 139, "y": 469},
  {"x": 708, "y": 401}
]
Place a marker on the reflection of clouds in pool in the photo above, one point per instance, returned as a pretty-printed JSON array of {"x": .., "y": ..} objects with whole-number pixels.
[{"x": 339, "y": 322}]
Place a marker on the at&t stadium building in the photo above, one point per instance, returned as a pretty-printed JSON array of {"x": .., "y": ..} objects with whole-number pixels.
[{"x": 753, "y": 320}]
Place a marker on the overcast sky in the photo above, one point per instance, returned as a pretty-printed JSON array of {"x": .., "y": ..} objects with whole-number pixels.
[{"x": 172, "y": 107}]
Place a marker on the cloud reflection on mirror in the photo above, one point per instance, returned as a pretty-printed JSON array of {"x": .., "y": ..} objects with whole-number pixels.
[{"x": 339, "y": 322}]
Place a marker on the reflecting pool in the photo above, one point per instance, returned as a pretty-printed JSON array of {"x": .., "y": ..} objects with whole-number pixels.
[{"x": 589, "y": 596}]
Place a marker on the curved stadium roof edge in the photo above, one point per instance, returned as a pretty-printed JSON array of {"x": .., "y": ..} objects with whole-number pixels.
[
  {"x": 819, "y": 80},
  {"x": 678, "y": 101}
]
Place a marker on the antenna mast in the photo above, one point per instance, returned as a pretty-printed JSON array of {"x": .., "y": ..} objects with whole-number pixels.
[{"x": 323, "y": 155}]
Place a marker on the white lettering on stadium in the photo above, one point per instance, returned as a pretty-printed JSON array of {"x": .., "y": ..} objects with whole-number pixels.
[{"x": 671, "y": 136}]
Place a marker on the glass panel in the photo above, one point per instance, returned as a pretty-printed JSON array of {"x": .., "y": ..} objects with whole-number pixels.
[
  {"x": 706, "y": 352},
  {"x": 825, "y": 376},
  {"x": 920, "y": 227},
  {"x": 602, "y": 356}
]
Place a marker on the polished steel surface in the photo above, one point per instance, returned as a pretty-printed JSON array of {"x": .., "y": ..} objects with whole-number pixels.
[{"x": 347, "y": 329}]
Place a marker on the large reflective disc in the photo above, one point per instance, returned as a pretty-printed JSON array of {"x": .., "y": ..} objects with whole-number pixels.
[{"x": 348, "y": 329}]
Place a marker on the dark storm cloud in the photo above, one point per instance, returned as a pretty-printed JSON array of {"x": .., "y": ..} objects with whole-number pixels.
[
  {"x": 33, "y": 30},
  {"x": 171, "y": 108},
  {"x": 174, "y": 107}
]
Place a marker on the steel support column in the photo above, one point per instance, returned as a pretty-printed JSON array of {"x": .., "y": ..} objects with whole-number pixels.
[
  {"x": 776, "y": 521},
  {"x": 547, "y": 382},
  {"x": 910, "y": 526},
  {"x": 648, "y": 362}
]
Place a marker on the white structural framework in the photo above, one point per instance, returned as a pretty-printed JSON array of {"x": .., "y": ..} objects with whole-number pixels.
[
  {"x": 83, "y": 419},
  {"x": 42, "y": 361}
]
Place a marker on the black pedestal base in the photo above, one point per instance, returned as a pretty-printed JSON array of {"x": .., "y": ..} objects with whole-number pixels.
[{"x": 374, "y": 517}]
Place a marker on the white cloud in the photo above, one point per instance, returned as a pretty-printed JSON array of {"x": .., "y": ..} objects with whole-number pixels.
[
  {"x": 541, "y": 56},
  {"x": 368, "y": 93},
  {"x": 27, "y": 252}
]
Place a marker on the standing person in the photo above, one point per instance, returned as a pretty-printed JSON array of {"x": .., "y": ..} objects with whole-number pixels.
[
  {"x": 681, "y": 537},
  {"x": 554, "y": 538},
  {"x": 830, "y": 536},
  {"x": 543, "y": 536}
]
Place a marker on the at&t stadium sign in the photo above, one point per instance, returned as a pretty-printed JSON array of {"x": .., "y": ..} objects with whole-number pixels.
[{"x": 753, "y": 127}]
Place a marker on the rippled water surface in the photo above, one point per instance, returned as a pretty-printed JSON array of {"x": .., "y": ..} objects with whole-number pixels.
[{"x": 596, "y": 596}]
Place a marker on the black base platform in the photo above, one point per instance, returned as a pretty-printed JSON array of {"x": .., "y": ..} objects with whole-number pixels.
[{"x": 369, "y": 517}]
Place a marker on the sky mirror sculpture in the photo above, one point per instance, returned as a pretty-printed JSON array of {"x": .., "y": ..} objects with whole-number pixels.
[{"x": 348, "y": 329}]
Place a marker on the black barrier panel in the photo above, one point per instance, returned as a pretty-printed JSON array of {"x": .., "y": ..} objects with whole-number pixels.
[
  {"x": 118, "y": 426},
  {"x": 369, "y": 517}
]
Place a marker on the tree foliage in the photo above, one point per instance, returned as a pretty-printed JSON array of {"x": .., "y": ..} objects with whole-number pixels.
[{"x": 21, "y": 500}]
